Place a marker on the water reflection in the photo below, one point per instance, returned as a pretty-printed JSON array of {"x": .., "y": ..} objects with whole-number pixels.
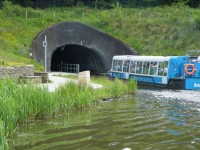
[{"x": 152, "y": 120}]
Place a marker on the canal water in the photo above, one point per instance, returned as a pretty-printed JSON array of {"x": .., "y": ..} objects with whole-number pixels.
[{"x": 153, "y": 119}]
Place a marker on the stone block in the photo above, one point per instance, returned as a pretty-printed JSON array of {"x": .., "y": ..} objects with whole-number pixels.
[
  {"x": 31, "y": 79},
  {"x": 44, "y": 76},
  {"x": 84, "y": 78}
]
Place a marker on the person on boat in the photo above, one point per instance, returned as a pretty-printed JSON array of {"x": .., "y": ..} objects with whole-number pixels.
[
  {"x": 132, "y": 66},
  {"x": 117, "y": 67},
  {"x": 140, "y": 69},
  {"x": 153, "y": 69}
]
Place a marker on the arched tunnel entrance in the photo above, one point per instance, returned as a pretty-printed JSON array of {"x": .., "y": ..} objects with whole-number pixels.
[
  {"x": 77, "y": 43},
  {"x": 71, "y": 54}
]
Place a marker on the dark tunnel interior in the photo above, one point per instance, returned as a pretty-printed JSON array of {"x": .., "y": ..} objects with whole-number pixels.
[{"x": 65, "y": 57}]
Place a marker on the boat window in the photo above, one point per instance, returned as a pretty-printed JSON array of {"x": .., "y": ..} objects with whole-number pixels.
[
  {"x": 128, "y": 66},
  {"x": 114, "y": 65},
  {"x": 139, "y": 67},
  {"x": 161, "y": 69},
  {"x": 125, "y": 66},
  {"x": 165, "y": 68},
  {"x": 133, "y": 66},
  {"x": 145, "y": 68},
  {"x": 120, "y": 65},
  {"x": 117, "y": 65},
  {"x": 153, "y": 68}
]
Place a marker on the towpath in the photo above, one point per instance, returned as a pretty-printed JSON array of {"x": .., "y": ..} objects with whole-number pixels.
[{"x": 58, "y": 81}]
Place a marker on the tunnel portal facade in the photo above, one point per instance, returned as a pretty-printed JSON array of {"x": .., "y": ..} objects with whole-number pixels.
[{"x": 77, "y": 43}]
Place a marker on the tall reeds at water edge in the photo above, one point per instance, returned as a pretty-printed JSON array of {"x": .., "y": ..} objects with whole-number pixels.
[
  {"x": 3, "y": 141},
  {"x": 132, "y": 86},
  {"x": 73, "y": 96},
  {"x": 118, "y": 88},
  {"x": 20, "y": 102}
]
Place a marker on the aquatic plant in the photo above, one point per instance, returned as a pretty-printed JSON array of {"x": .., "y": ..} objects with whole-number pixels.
[
  {"x": 74, "y": 96},
  {"x": 19, "y": 102},
  {"x": 23, "y": 102},
  {"x": 118, "y": 87},
  {"x": 3, "y": 140},
  {"x": 132, "y": 86}
]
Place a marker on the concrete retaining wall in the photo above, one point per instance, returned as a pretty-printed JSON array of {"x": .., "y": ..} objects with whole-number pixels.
[
  {"x": 16, "y": 72},
  {"x": 24, "y": 74},
  {"x": 31, "y": 79},
  {"x": 44, "y": 76}
]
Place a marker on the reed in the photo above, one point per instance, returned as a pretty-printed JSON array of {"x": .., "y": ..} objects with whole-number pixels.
[
  {"x": 132, "y": 86},
  {"x": 118, "y": 88},
  {"x": 3, "y": 140},
  {"x": 19, "y": 102},
  {"x": 74, "y": 96},
  {"x": 23, "y": 102}
]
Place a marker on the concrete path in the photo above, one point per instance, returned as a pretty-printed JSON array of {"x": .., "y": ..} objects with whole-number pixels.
[{"x": 58, "y": 81}]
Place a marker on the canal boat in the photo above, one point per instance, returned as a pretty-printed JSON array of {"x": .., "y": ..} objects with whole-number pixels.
[{"x": 176, "y": 72}]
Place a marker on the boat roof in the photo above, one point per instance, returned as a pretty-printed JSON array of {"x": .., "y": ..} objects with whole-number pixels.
[{"x": 143, "y": 58}]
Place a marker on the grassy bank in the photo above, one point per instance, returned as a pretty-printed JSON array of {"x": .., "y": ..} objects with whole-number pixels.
[
  {"x": 110, "y": 88},
  {"x": 169, "y": 30},
  {"x": 19, "y": 102}
]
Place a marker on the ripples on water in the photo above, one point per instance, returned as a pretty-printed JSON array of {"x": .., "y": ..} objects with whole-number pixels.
[{"x": 162, "y": 119}]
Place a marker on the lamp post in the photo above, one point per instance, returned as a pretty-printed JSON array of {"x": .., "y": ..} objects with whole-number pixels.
[{"x": 45, "y": 53}]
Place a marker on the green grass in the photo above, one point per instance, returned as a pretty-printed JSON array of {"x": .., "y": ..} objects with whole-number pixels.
[
  {"x": 132, "y": 86},
  {"x": 19, "y": 102},
  {"x": 111, "y": 88},
  {"x": 3, "y": 140},
  {"x": 24, "y": 102},
  {"x": 150, "y": 31},
  {"x": 76, "y": 97}
]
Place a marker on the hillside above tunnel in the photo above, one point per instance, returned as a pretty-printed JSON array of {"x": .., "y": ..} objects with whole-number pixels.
[{"x": 149, "y": 31}]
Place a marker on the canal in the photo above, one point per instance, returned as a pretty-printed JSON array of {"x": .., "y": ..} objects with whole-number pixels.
[{"x": 153, "y": 119}]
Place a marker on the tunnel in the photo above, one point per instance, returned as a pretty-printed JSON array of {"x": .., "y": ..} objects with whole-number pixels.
[
  {"x": 74, "y": 43},
  {"x": 73, "y": 54}
]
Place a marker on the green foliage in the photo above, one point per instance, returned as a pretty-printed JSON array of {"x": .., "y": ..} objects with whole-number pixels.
[
  {"x": 74, "y": 96},
  {"x": 3, "y": 140},
  {"x": 118, "y": 88},
  {"x": 105, "y": 4},
  {"x": 20, "y": 102},
  {"x": 151, "y": 31},
  {"x": 132, "y": 86},
  {"x": 197, "y": 22},
  {"x": 180, "y": 3}
]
